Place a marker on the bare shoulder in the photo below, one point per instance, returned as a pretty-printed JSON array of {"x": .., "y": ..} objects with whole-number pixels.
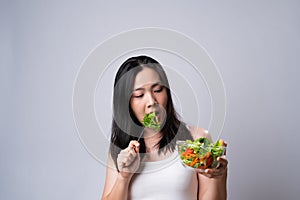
[{"x": 198, "y": 132}]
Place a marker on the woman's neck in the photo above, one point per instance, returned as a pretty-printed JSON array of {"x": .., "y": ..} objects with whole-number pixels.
[{"x": 151, "y": 139}]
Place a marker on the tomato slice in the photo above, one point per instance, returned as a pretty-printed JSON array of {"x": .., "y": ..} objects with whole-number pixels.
[{"x": 189, "y": 151}]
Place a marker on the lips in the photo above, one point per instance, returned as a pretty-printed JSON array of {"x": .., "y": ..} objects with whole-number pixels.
[
  {"x": 154, "y": 111},
  {"x": 157, "y": 115},
  {"x": 150, "y": 120}
]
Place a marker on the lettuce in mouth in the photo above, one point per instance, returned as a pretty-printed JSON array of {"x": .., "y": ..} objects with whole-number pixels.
[{"x": 150, "y": 121}]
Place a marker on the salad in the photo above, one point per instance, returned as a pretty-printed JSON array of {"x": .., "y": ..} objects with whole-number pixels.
[
  {"x": 201, "y": 153},
  {"x": 150, "y": 121}
]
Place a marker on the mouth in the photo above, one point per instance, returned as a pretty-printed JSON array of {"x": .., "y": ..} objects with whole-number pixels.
[
  {"x": 151, "y": 120},
  {"x": 157, "y": 115},
  {"x": 156, "y": 112}
]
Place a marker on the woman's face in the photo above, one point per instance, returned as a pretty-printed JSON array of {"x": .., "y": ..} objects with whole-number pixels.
[{"x": 149, "y": 95}]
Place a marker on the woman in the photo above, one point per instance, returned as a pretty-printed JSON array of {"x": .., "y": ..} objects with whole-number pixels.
[{"x": 143, "y": 163}]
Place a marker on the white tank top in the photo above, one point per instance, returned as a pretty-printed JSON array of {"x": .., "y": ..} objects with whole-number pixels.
[{"x": 164, "y": 180}]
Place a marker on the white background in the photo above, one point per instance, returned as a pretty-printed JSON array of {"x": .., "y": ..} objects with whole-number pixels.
[{"x": 255, "y": 45}]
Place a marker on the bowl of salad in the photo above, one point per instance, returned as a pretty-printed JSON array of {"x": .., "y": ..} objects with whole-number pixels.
[{"x": 200, "y": 154}]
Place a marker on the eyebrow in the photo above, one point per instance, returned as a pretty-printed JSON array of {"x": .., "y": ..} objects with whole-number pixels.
[{"x": 152, "y": 86}]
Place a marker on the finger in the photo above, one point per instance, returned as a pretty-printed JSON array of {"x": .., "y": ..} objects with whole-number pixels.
[
  {"x": 124, "y": 158},
  {"x": 208, "y": 171},
  {"x": 134, "y": 145},
  {"x": 129, "y": 157},
  {"x": 137, "y": 147},
  {"x": 225, "y": 143},
  {"x": 131, "y": 154},
  {"x": 213, "y": 173},
  {"x": 127, "y": 162},
  {"x": 124, "y": 154},
  {"x": 222, "y": 160},
  {"x": 207, "y": 174}
]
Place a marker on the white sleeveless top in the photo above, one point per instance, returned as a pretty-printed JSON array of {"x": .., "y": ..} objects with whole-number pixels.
[{"x": 164, "y": 180}]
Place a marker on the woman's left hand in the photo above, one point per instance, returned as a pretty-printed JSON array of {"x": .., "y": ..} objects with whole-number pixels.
[{"x": 217, "y": 172}]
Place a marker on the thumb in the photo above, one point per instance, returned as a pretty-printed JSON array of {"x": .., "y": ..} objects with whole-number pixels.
[
  {"x": 134, "y": 145},
  {"x": 137, "y": 147}
]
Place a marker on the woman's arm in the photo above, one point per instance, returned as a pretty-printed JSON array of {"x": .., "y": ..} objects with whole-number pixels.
[
  {"x": 117, "y": 183},
  {"x": 212, "y": 184}
]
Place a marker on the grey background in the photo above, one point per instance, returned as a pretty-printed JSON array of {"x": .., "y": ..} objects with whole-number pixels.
[{"x": 255, "y": 45}]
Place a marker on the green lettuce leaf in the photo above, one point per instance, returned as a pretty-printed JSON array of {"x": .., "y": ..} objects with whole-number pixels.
[{"x": 150, "y": 121}]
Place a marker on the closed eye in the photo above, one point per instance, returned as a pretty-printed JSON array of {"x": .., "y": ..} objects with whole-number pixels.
[
  {"x": 138, "y": 96},
  {"x": 158, "y": 90}
]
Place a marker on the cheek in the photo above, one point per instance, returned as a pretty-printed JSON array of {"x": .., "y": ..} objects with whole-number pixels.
[
  {"x": 163, "y": 99},
  {"x": 137, "y": 109}
]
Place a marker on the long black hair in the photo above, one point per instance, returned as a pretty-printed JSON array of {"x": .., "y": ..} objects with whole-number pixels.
[{"x": 125, "y": 125}]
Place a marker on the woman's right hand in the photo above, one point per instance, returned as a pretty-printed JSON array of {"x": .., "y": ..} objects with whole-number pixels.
[{"x": 129, "y": 159}]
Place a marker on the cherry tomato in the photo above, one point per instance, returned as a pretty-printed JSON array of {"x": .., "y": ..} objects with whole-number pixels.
[{"x": 188, "y": 151}]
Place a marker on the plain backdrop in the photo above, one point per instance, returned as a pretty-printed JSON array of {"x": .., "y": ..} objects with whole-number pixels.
[{"x": 255, "y": 45}]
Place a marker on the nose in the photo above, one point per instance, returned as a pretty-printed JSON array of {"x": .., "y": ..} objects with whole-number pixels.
[{"x": 151, "y": 101}]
